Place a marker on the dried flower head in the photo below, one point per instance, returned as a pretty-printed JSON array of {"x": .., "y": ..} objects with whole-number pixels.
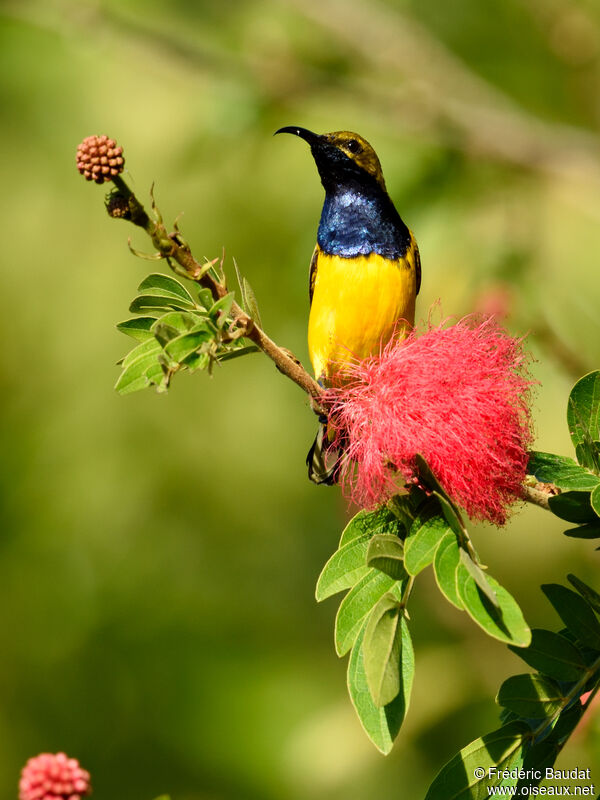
[
  {"x": 52, "y": 776},
  {"x": 459, "y": 395},
  {"x": 99, "y": 158}
]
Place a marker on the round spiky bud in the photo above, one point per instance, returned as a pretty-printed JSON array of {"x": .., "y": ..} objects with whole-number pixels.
[
  {"x": 99, "y": 158},
  {"x": 52, "y": 776}
]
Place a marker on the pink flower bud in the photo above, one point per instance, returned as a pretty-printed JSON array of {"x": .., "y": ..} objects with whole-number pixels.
[{"x": 52, "y": 776}]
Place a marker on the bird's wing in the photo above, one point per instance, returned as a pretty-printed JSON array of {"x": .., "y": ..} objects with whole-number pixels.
[
  {"x": 417, "y": 264},
  {"x": 313, "y": 273}
]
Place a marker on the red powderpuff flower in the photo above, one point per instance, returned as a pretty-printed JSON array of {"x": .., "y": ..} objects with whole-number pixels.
[
  {"x": 457, "y": 395},
  {"x": 52, "y": 776}
]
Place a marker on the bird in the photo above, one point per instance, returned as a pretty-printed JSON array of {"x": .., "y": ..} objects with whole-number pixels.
[{"x": 365, "y": 271}]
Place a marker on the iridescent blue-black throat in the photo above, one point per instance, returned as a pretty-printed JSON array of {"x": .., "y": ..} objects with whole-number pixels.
[{"x": 356, "y": 222}]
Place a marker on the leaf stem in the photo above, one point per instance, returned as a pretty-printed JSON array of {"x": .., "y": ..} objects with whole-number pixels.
[{"x": 407, "y": 590}]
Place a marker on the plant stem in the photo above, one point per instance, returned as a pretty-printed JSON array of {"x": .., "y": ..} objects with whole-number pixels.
[
  {"x": 539, "y": 494},
  {"x": 574, "y": 692},
  {"x": 407, "y": 590},
  {"x": 171, "y": 246}
]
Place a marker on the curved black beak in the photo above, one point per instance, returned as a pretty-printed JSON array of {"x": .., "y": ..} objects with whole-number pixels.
[{"x": 303, "y": 133}]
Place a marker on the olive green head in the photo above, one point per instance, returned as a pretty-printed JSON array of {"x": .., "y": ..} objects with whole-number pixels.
[{"x": 343, "y": 158}]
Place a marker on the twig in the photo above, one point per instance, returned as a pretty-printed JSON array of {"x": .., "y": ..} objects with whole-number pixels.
[
  {"x": 171, "y": 246},
  {"x": 540, "y": 494}
]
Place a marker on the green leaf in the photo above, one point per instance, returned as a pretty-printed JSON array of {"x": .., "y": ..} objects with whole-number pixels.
[
  {"x": 479, "y": 577},
  {"x": 403, "y": 508},
  {"x": 141, "y": 368},
  {"x": 163, "y": 797},
  {"x": 595, "y": 500},
  {"x": 205, "y": 298},
  {"x": 146, "y": 302},
  {"x": 561, "y": 471},
  {"x": 575, "y": 613},
  {"x": 382, "y": 648},
  {"x": 445, "y": 565},
  {"x": 250, "y": 302},
  {"x": 572, "y": 506},
  {"x": 380, "y": 724},
  {"x": 174, "y": 323},
  {"x": 583, "y": 419},
  {"x": 237, "y": 352},
  {"x": 183, "y": 346},
  {"x": 589, "y": 594},
  {"x": 345, "y": 567},
  {"x": 382, "y": 520},
  {"x": 137, "y": 327},
  {"x": 588, "y": 531},
  {"x": 539, "y": 756},
  {"x": 426, "y": 532},
  {"x": 219, "y": 311},
  {"x": 503, "y": 749},
  {"x": 386, "y": 553},
  {"x": 506, "y": 622},
  {"x": 160, "y": 285},
  {"x": 553, "y": 655},
  {"x": 449, "y": 509},
  {"x": 356, "y": 605},
  {"x": 531, "y": 696},
  {"x": 182, "y": 321},
  {"x": 197, "y": 361}
]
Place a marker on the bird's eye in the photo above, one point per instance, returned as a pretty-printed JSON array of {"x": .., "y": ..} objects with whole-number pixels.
[{"x": 353, "y": 146}]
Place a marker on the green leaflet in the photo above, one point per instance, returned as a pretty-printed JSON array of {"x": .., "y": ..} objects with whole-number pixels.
[
  {"x": 502, "y": 749},
  {"x": 563, "y": 472},
  {"x": 573, "y": 506},
  {"x": 445, "y": 566},
  {"x": 553, "y": 655},
  {"x": 137, "y": 327},
  {"x": 506, "y": 622},
  {"x": 356, "y": 605},
  {"x": 346, "y": 567},
  {"x": 595, "y": 500},
  {"x": 382, "y": 520},
  {"x": 219, "y": 311},
  {"x": 426, "y": 533},
  {"x": 480, "y": 578},
  {"x": 183, "y": 346},
  {"x": 575, "y": 613},
  {"x": 531, "y": 696},
  {"x": 589, "y": 594},
  {"x": 539, "y": 756},
  {"x": 150, "y": 302},
  {"x": 140, "y": 368},
  {"x": 381, "y": 724},
  {"x": 386, "y": 553},
  {"x": 449, "y": 509},
  {"x": 583, "y": 419},
  {"x": 383, "y": 644},
  {"x": 160, "y": 285}
]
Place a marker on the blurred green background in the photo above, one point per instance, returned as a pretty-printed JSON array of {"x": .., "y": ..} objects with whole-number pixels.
[{"x": 159, "y": 553}]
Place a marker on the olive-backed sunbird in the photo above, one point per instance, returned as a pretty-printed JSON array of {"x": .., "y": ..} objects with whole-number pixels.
[{"x": 365, "y": 271}]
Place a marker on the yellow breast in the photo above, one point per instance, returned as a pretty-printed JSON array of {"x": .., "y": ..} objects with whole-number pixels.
[{"x": 357, "y": 304}]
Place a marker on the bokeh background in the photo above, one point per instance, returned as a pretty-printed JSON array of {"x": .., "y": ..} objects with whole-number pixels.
[{"x": 158, "y": 554}]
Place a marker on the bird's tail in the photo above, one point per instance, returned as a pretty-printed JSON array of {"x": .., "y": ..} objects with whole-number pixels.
[{"x": 323, "y": 464}]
